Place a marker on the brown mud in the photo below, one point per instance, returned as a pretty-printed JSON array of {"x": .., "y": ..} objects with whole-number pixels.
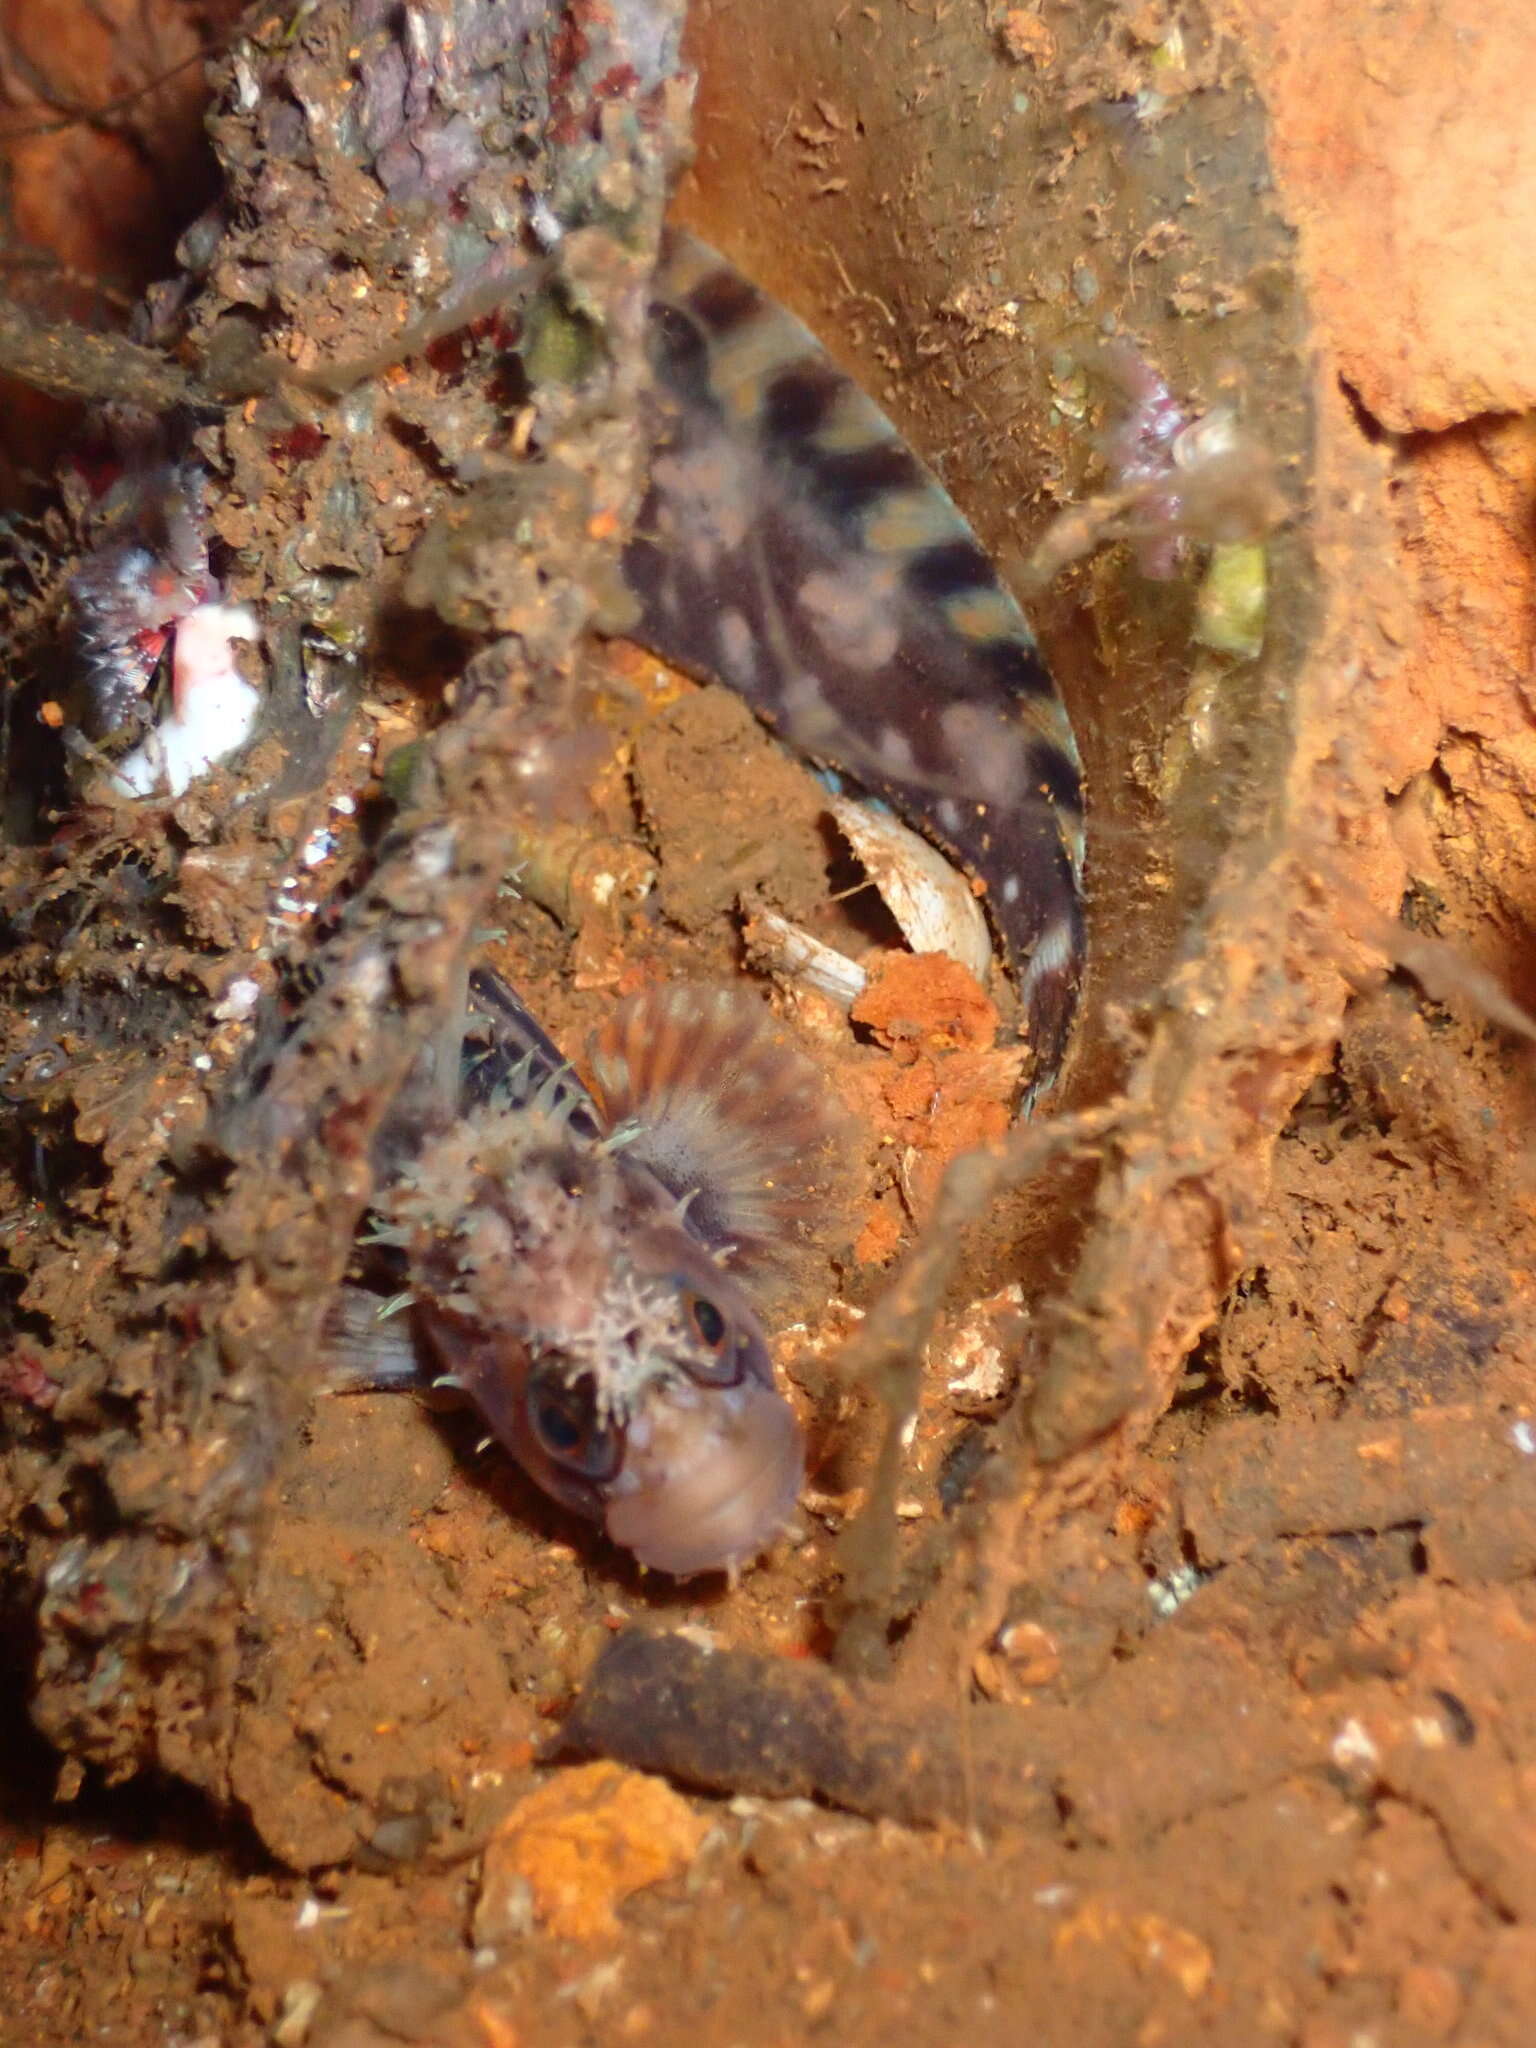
[{"x": 1155, "y": 1661}]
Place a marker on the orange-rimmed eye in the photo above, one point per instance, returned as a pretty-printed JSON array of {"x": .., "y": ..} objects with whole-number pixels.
[{"x": 719, "y": 1347}]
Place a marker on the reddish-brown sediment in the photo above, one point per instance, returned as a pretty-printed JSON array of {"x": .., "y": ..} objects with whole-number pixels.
[{"x": 1220, "y": 1688}]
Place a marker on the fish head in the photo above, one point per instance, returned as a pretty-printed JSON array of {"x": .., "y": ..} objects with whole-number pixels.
[
  {"x": 709, "y": 1478},
  {"x": 687, "y": 1452},
  {"x": 636, "y": 1389}
]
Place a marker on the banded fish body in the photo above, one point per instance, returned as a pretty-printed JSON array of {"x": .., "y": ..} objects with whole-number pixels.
[{"x": 792, "y": 546}]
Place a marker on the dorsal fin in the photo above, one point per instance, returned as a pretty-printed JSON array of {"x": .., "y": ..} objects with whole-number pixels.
[
  {"x": 510, "y": 1061},
  {"x": 728, "y": 1113}
]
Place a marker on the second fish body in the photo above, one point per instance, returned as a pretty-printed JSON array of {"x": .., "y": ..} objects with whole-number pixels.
[{"x": 793, "y": 547}]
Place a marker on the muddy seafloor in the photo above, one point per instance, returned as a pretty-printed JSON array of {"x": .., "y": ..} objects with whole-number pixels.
[{"x": 1228, "y": 1679}]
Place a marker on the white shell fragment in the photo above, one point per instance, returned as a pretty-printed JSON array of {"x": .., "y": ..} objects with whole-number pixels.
[
  {"x": 213, "y": 707},
  {"x": 931, "y": 901},
  {"x": 788, "y": 950}
]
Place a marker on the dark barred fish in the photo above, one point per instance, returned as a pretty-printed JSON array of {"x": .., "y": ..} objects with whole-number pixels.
[
  {"x": 793, "y": 547},
  {"x": 587, "y": 1268}
]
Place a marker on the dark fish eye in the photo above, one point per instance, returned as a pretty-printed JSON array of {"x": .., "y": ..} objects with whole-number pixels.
[
  {"x": 561, "y": 1430},
  {"x": 707, "y": 1320},
  {"x": 562, "y": 1414},
  {"x": 722, "y": 1346}
]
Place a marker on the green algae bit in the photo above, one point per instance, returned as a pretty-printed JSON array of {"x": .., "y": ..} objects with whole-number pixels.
[{"x": 1233, "y": 599}]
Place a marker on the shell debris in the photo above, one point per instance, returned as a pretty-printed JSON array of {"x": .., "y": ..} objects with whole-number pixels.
[
  {"x": 934, "y": 906},
  {"x": 932, "y": 902}
]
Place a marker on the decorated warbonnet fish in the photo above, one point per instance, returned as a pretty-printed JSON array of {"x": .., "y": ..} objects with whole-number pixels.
[
  {"x": 587, "y": 1268},
  {"x": 795, "y": 548}
]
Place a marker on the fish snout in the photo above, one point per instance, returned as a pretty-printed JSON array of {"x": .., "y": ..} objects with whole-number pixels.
[{"x": 710, "y": 1478}]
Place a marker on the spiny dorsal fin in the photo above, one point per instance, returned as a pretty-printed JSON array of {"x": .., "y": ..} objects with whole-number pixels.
[{"x": 730, "y": 1116}]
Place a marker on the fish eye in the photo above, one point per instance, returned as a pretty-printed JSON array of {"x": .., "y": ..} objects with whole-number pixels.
[
  {"x": 708, "y": 1323},
  {"x": 718, "y": 1356},
  {"x": 563, "y": 1415}
]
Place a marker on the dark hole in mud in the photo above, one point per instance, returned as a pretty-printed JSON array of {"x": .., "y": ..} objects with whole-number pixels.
[
  {"x": 963, "y": 1464},
  {"x": 860, "y": 905}
]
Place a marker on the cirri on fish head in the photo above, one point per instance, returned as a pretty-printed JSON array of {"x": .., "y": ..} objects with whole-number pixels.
[{"x": 588, "y": 1269}]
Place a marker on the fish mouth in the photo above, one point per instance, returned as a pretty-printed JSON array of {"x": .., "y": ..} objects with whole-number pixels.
[{"x": 710, "y": 1478}]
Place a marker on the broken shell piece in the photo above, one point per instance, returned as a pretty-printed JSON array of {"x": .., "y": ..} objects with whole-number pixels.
[
  {"x": 793, "y": 954},
  {"x": 931, "y": 901},
  {"x": 572, "y": 872},
  {"x": 213, "y": 707},
  {"x": 980, "y": 1355}
]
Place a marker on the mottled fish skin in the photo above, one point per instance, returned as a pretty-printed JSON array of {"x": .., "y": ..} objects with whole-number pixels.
[
  {"x": 714, "y": 1102},
  {"x": 794, "y": 547}
]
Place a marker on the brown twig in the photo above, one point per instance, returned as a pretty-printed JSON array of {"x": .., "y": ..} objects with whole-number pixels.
[
  {"x": 887, "y": 1356},
  {"x": 72, "y": 362}
]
